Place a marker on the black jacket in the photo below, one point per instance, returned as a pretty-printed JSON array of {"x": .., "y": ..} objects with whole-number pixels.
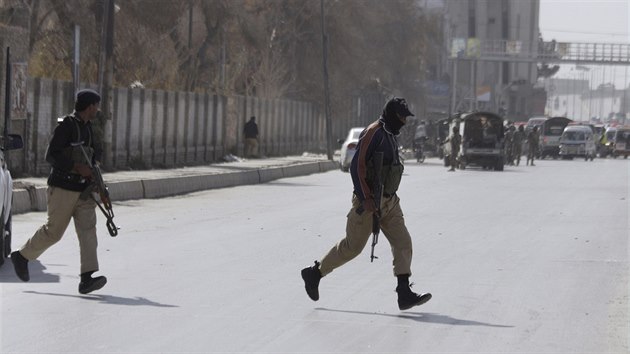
[
  {"x": 251, "y": 130},
  {"x": 68, "y": 131}
]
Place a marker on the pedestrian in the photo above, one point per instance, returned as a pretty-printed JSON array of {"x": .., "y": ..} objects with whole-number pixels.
[
  {"x": 69, "y": 188},
  {"x": 380, "y": 136},
  {"x": 455, "y": 140},
  {"x": 532, "y": 145},
  {"x": 509, "y": 144},
  {"x": 251, "y": 138},
  {"x": 517, "y": 144}
]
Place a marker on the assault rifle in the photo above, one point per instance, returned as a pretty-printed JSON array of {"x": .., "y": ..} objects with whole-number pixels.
[
  {"x": 377, "y": 189},
  {"x": 101, "y": 189}
]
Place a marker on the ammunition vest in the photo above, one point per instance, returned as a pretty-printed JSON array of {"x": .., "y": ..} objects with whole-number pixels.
[{"x": 391, "y": 171}]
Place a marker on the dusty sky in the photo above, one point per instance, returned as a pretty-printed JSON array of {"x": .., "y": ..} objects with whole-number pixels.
[
  {"x": 585, "y": 20},
  {"x": 590, "y": 21}
]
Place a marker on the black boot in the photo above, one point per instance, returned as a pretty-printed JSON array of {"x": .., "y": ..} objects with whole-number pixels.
[
  {"x": 89, "y": 284},
  {"x": 407, "y": 298},
  {"x": 311, "y": 276},
  {"x": 21, "y": 266}
]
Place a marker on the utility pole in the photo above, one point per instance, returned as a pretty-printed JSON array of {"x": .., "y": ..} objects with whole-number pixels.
[
  {"x": 7, "y": 94},
  {"x": 106, "y": 76},
  {"x": 454, "y": 88},
  {"x": 329, "y": 150},
  {"x": 76, "y": 62}
]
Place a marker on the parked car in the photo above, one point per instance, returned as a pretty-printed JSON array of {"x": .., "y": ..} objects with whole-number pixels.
[
  {"x": 10, "y": 142},
  {"x": 606, "y": 147},
  {"x": 482, "y": 140},
  {"x": 348, "y": 148},
  {"x": 550, "y": 134},
  {"x": 621, "y": 147},
  {"x": 577, "y": 141}
]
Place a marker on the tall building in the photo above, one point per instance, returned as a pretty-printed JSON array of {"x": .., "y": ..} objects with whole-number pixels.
[{"x": 479, "y": 35}]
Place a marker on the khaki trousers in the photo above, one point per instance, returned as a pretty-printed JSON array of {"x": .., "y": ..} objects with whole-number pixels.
[
  {"x": 64, "y": 205},
  {"x": 359, "y": 230},
  {"x": 251, "y": 147}
]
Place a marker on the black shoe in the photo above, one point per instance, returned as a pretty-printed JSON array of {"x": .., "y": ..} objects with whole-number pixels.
[
  {"x": 408, "y": 299},
  {"x": 21, "y": 266},
  {"x": 311, "y": 276},
  {"x": 89, "y": 284}
]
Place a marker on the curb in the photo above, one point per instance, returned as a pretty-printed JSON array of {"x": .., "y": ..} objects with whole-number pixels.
[{"x": 34, "y": 199}]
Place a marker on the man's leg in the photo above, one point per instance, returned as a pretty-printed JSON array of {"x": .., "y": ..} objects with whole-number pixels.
[
  {"x": 394, "y": 229},
  {"x": 393, "y": 226},
  {"x": 85, "y": 226},
  {"x": 60, "y": 207},
  {"x": 358, "y": 229},
  {"x": 61, "y": 204},
  {"x": 255, "y": 147}
]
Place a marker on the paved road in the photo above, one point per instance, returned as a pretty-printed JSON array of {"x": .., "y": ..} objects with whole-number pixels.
[{"x": 532, "y": 259}]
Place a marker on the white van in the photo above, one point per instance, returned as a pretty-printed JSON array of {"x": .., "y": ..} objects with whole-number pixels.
[{"x": 577, "y": 141}]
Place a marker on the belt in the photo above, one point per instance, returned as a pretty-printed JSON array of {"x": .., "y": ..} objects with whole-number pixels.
[{"x": 69, "y": 177}]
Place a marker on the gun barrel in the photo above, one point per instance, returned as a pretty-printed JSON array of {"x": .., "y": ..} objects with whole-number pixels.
[{"x": 377, "y": 189}]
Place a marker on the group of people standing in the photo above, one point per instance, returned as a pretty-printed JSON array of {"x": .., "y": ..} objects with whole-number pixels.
[{"x": 513, "y": 144}]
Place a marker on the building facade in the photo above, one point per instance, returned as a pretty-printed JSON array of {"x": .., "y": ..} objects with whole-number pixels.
[{"x": 474, "y": 29}]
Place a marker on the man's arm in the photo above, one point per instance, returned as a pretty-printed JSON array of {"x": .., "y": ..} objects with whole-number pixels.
[
  {"x": 365, "y": 149},
  {"x": 58, "y": 143}
]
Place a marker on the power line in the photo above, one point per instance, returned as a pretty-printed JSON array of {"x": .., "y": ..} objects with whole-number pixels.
[{"x": 583, "y": 32}]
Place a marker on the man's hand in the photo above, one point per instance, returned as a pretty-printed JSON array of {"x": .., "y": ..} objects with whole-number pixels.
[
  {"x": 369, "y": 205},
  {"x": 83, "y": 169}
]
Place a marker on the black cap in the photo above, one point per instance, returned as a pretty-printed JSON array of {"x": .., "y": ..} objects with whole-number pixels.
[
  {"x": 86, "y": 98},
  {"x": 399, "y": 106}
]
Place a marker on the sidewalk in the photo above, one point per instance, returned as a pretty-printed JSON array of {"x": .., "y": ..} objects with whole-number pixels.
[{"x": 29, "y": 194}]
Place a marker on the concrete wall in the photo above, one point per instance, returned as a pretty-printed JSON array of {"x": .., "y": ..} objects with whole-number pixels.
[{"x": 155, "y": 128}]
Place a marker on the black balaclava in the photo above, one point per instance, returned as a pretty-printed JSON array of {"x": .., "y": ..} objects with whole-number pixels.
[{"x": 393, "y": 108}]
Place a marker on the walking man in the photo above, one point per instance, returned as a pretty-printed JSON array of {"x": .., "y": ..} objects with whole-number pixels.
[
  {"x": 532, "y": 144},
  {"x": 378, "y": 137},
  {"x": 69, "y": 188},
  {"x": 517, "y": 144},
  {"x": 251, "y": 138},
  {"x": 455, "y": 140}
]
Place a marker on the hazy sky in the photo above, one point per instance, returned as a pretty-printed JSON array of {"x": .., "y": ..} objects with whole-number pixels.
[
  {"x": 585, "y": 20},
  {"x": 590, "y": 21}
]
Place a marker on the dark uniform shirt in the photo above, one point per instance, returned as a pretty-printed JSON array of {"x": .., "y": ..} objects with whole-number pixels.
[
  {"x": 251, "y": 130},
  {"x": 61, "y": 157}
]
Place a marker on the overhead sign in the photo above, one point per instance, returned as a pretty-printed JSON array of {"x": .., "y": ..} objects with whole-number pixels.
[
  {"x": 458, "y": 47},
  {"x": 483, "y": 93},
  {"x": 513, "y": 47},
  {"x": 473, "y": 48}
]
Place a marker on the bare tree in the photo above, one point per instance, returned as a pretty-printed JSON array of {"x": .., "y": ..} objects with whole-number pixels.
[{"x": 254, "y": 47}]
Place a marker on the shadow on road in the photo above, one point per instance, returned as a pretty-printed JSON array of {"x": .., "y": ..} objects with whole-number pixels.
[
  {"x": 423, "y": 317},
  {"x": 35, "y": 270},
  {"x": 109, "y": 299}
]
